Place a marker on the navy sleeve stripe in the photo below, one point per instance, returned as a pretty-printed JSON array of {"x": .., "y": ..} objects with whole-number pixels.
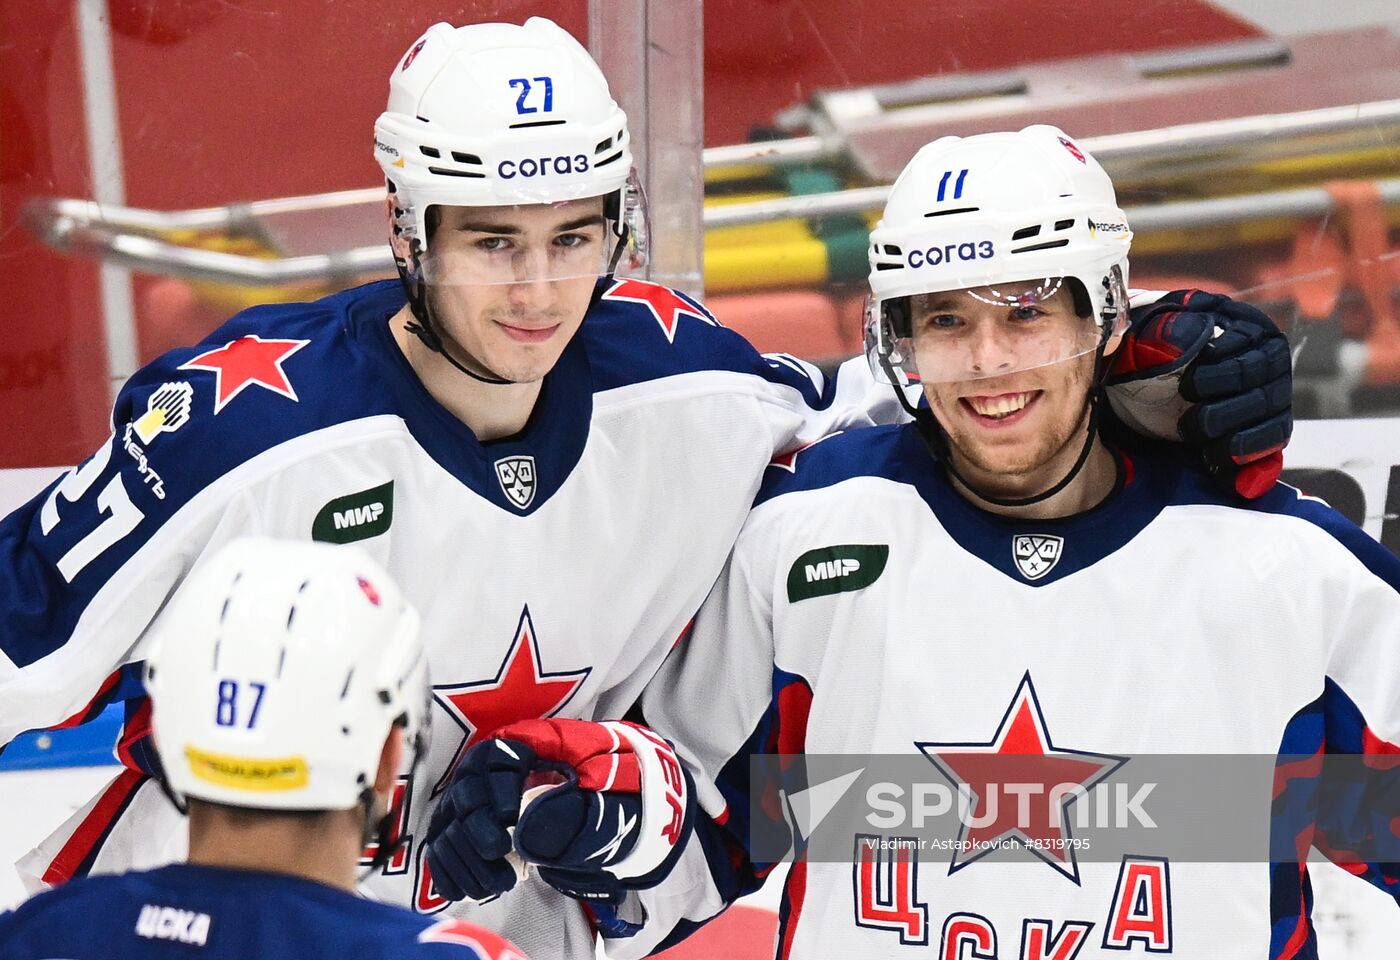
[{"x": 1288, "y": 501}]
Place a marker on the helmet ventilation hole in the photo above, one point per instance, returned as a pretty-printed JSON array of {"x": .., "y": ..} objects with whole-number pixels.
[
  {"x": 1048, "y": 245},
  {"x": 948, "y": 213}
]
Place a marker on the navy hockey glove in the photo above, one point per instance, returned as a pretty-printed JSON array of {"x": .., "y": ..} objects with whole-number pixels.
[
  {"x": 597, "y": 808},
  {"x": 1215, "y": 373},
  {"x": 469, "y": 845}
]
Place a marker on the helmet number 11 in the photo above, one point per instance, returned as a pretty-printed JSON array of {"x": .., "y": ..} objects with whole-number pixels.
[{"x": 525, "y": 86}]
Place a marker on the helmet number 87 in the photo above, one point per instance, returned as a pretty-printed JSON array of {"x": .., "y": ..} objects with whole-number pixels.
[
  {"x": 226, "y": 713},
  {"x": 525, "y": 87}
]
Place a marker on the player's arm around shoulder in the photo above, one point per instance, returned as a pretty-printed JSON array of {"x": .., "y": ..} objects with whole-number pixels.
[
  {"x": 715, "y": 683},
  {"x": 645, "y": 330}
]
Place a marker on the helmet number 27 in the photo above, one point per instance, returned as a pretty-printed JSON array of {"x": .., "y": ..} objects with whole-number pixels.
[{"x": 525, "y": 87}]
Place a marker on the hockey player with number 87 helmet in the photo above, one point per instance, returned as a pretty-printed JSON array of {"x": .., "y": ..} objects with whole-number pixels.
[
  {"x": 477, "y": 424},
  {"x": 290, "y": 698}
]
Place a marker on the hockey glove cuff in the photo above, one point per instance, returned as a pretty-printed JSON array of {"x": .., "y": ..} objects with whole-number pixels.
[{"x": 1215, "y": 373}]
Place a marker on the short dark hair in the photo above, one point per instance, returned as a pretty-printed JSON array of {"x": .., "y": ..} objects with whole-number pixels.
[{"x": 244, "y": 817}]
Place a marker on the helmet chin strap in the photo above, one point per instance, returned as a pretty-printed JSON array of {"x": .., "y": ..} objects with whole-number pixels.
[
  {"x": 936, "y": 439},
  {"x": 422, "y": 325},
  {"x": 380, "y": 831}
]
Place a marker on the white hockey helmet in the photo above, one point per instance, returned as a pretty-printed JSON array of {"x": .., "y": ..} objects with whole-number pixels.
[
  {"x": 497, "y": 114},
  {"x": 278, "y": 673},
  {"x": 1009, "y": 217}
]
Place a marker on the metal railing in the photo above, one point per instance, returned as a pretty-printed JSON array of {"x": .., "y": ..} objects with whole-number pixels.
[{"x": 141, "y": 238}]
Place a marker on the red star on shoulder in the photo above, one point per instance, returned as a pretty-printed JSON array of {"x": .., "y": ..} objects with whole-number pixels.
[
  {"x": 664, "y": 303},
  {"x": 1020, "y": 754},
  {"x": 520, "y": 690},
  {"x": 788, "y": 459},
  {"x": 246, "y": 361},
  {"x": 488, "y": 946}
]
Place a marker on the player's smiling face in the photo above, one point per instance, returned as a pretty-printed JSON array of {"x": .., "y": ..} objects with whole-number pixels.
[
  {"x": 1015, "y": 421},
  {"x": 509, "y": 286}
]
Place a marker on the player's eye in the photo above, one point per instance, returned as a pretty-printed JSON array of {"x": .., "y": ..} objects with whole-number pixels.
[
  {"x": 493, "y": 244},
  {"x": 1026, "y": 313},
  {"x": 941, "y": 321},
  {"x": 572, "y": 240}
]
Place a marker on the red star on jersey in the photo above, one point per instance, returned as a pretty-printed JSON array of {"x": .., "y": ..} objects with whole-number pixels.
[
  {"x": 664, "y": 303},
  {"x": 520, "y": 690},
  {"x": 246, "y": 361},
  {"x": 488, "y": 946},
  {"x": 1046, "y": 781},
  {"x": 788, "y": 461}
]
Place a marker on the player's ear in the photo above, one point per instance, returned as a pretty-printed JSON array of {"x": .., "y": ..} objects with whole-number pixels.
[
  {"x": 396, "y": 240},
  {"x": 390, "y": 760},
  {"x": 1114, "y": 342}
]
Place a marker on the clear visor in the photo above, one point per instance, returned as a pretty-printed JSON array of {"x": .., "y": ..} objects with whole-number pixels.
[
  {"x": 525, "y": 244},
  {"x": 991, "y": 331}
]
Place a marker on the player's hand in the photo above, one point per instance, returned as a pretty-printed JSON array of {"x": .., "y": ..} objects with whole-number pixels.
[
  {"x": 597, "y": 808},
  {"x": 469, "y": 834},
  {"x": 1215, "y": 373}
]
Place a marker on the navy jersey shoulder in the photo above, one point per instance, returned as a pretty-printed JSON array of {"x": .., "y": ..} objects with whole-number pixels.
[
  {"x": 227, "y": 915},
  {"x": 1192, "y": 487},
  {"x": 891, "y": 452},
  {"x": 1151, "y": 480},
  {"x": 637, "y": 331},
  {"x": 181, "y": 424},
  {"x": 269, "y": 374}
]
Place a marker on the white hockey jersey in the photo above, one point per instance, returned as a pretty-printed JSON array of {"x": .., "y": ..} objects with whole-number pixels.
[
  {"x": 553, "y": 569},
  {"x": 868, "y": 609}
]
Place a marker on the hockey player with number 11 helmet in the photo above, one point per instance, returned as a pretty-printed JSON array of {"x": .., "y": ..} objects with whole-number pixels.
[
  {"x": 553, "y": 459},
  {"x": 1006, "y": 604},
  {"x": 1029, "y": 233}
]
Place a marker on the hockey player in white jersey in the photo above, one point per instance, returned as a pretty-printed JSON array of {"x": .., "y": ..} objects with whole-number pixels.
[
  {"x": 999, "y": 578},
  {"x": 552, "y": 459},
  {"x": 290, "y": 689}
]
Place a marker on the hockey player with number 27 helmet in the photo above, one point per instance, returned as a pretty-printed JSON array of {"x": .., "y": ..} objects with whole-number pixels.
[
  {"x": 508, "y": 118},
  {"x": 507, "y": 428},
  {"x": 290, "y": 693}
]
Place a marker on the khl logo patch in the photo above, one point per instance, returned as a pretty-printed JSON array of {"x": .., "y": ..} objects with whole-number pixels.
[
  {"x": 517, "y": 477},
  {"x": 1036, "y": 554}
]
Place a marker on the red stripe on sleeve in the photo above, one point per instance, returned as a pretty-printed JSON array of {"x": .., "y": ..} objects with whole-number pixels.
[{"x": 94, "y": 829}]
